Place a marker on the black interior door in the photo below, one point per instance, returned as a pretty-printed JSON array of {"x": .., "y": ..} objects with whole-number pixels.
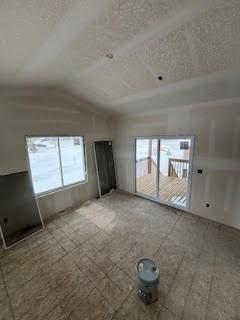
[{"x": 105, "y": 166}]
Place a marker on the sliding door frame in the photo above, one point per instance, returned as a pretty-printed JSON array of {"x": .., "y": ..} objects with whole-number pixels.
[{"x": 189, "y": 187}]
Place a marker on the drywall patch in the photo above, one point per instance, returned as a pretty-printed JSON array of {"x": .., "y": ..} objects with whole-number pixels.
[
  {"x": 217, "y": 163},
  {"x": 212, "y": 136},
  {"x": 236, "y": 138},
  {"x": 229, "y": 193},
  {"x": 207, "y": 182}
]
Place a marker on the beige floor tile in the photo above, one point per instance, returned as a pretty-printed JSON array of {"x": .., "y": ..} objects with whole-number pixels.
[
  {"x": 203, "y": 275},
  {"x": 119, "y": 253},
  {"x": 111, "y": 292},
  {"x": 58, "y": 234},
  {"x": 166, "y": 314},
  {"x": 176, "y": 301},
  {"x": 229, "y": 244},
  {"x": 50, "y": 256},
  {"x": 195, "y": 307},
  {"x": 76, "y": 255},
  {"x": 225, "y": 295},
  {"x": 87, "y": 229},
  {"x": 102, "y": 218},
  {"x": 13, "y": 259},
  {"x": 72, "y": 283},
  {"x": 130, "y": 310},
  {"x": 95, "y": 255},
  {"x": 128, "y": 264},
  {"x": 227, "y": 268},
  {"x": 17, "y": 278},
  {"x": 202, "y": 282},
  {"x": 93, "y": 307},
  {"x": 67, "y": 244},
  {"x": 42, "y": 247},
  {"x": 100, "y": 239},
  {"x": 89, "y": 250},
  {"x": 3, "y": 293},
  {"x": 90, "y": 269},
  {"x": 36, "y": 309},
  {"x": 2, "y": 251},
  {"x": 59, "y": 222},
  {"x": 39, "y": 239},
  {"x": 82, "y": 265},
  {"x": 178, "y": 294},
  {"x": 145, "y": 248},
  {"x": 66, "y": 229},
  {"x": 74, "y": 220},
  {"x": 118, "y": 316},
  {"x": 77, "y": 238},
  {"x": 34, "y": 290},
  {"x": 187, "y": 237},
  {"x": 105, "y": 265},
  {"x": 5, "y": 310},
  {"x": 211, "y": 238},
  {"x": 121, "y": 279},
  {"x": 152, "y": 310},
  {"x": 165, "y": 283},
  {"x": 169, "y": 257},
  {"x": 72, "y": 291},
  {"x": 188, "y": 222},
  {"x": 213, "y": 313},
  {"x": 50, "y": 225},
  {"x": 31, "y": 292},
  {"x": 56, "y": 314},
  {"x": 60, "y": 270}
]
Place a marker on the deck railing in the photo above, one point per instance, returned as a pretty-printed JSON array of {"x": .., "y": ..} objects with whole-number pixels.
[
  {"x": 178, "y": 168},
  {"x": 150, "y": 163}
]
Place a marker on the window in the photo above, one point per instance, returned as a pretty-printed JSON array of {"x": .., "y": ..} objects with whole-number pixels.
[{"x": 56, "y": 162}]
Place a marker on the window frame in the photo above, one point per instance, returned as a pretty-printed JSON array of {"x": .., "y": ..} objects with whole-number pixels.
[{"x": 55, "y": 190}]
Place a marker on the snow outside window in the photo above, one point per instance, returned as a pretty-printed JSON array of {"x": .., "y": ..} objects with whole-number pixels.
[{"x": 56, "y": 162}]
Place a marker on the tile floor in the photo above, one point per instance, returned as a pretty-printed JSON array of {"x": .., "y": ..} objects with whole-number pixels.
[{"x": 82, "y": 265}]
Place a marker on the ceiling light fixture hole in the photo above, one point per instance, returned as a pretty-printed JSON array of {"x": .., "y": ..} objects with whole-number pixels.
[{"x": 109, "y": 55}]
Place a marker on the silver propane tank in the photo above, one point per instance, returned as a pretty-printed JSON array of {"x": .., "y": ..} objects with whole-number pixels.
[{"x": 147, "y": 279}]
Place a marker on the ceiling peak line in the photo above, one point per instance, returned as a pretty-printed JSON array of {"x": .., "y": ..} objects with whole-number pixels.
[{"x": 162, "y": 28}]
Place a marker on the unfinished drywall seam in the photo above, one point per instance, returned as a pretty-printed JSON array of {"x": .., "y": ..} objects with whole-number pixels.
[
  {"x": 236, "y": 138},
  {"x": 212, "y": 137},
  {"x": 229, "y": 194}
]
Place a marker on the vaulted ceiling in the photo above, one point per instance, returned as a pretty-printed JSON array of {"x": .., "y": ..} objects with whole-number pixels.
[{"x": 112, "y": 52}]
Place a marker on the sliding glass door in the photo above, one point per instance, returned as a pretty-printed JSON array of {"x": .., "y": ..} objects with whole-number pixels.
[
  {"x": 146, "y": 166},
  {"x": 163, "y": 169},
  {"x": 174, "y": 171}
]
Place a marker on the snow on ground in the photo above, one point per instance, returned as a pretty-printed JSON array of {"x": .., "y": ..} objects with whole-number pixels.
[
  {"x": 170, "y": 148},
  {"x": 45, "y": 163}
]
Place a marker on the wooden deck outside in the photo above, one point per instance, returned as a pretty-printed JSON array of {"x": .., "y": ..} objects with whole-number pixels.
[{"x": 172, "y": 189}]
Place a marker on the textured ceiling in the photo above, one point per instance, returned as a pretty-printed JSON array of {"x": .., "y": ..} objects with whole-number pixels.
[{"x": 66, "y": 42}]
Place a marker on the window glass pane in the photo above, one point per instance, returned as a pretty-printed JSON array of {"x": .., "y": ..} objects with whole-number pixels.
[
  {"x": 72, "y": 158},
  {"x": 146, "y": 166},
  {"x": 44, "y": 163}
]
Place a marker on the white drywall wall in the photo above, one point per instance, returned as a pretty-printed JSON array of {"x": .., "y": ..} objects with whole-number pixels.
[
  {"x": 42, "y": 115},
  {"x": 216, "y": 127}
]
